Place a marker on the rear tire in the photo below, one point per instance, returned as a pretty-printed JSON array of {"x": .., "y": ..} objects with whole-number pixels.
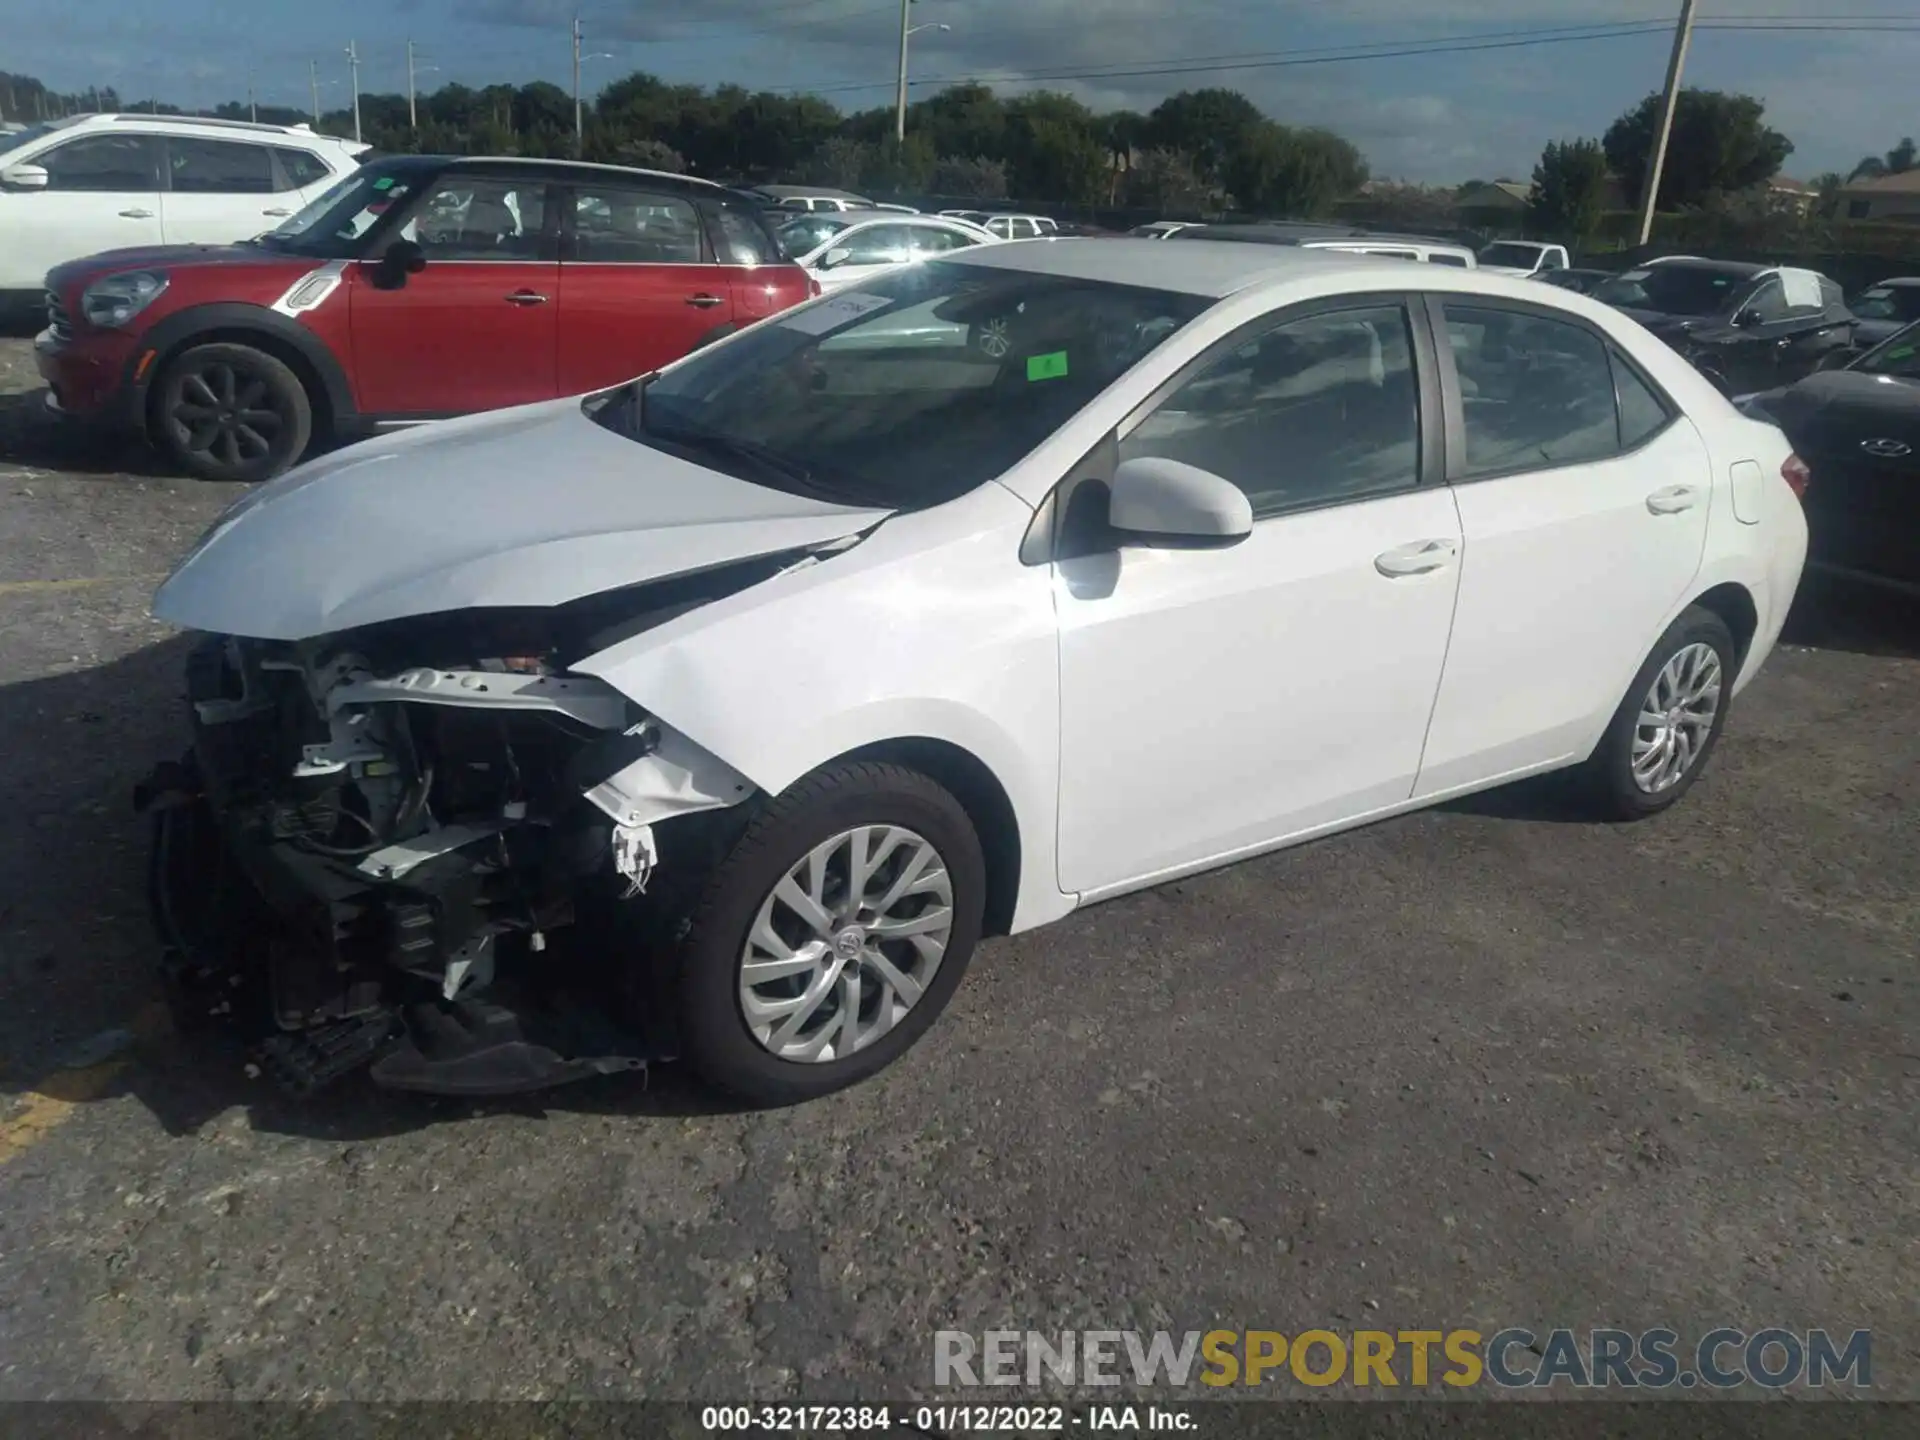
[
  {"x": 849, "y": 953},
  {"x": 1659, "y": 739},
  {"x": 231, "y": 413}
]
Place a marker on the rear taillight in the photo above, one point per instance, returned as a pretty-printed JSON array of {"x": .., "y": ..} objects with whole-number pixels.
[{"x": 1794, "y": 471}]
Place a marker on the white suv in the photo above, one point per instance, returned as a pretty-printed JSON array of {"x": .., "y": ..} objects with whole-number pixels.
[{"x": 76, "y": 187}]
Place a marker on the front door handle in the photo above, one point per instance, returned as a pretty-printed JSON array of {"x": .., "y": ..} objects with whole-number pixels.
[
  {"x": 1673, "y": 499},
  {"x": 136, "y": 214},
  {"x": 279, "y": 210},
  {"x": 1422, "y": 557},
  {"x": 705, "y": 302},
  {"x": 526, "y": 297}
]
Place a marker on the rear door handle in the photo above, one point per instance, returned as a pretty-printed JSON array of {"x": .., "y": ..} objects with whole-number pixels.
[
  {"x": 1673, "y": 499},
  {"x": 1422, "y": 557},
  {"x": 136, "y": 214},
  {"x": 705, "y": 302},
  {"x": 526, "y": 297}
]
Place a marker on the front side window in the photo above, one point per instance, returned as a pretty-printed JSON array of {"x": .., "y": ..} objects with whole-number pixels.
[
  {"x": 1536, "y": 393},
  {"x": 1768, "y": 302},
  {"x": 613, "y": 225},
  {"x": 218, "y": 167},
  {"x": 104, "y": 162},
  {"x": 741, "y": 238},
  {"x": 1315, "y": 411},
  {"x": 905, "y": 390},
  {"x": 334, "y": 224},
  {"x": 465, "y": 218}
]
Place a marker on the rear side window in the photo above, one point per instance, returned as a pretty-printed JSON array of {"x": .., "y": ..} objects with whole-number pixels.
[
  {"x": 1441, "y": 257},
  {"x": 302, "y": 168},
  {"x": 1643, "y": 414},
  {"x": 616, "y": 226},
  {"x": 740, "y": 238},
  {"x": 219, "y": 167},
  {"x": 104, "y": 162},
  {"x": 1535, "y": 393}
]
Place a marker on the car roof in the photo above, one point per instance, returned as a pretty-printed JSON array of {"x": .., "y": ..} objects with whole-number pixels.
[
  {"x": 1695, "y": 262},
  {"x": 665, "y": 178},
  {"x": 1896, "y": 282},
  {"x": 892, "y": 217},
  {"x": 1281, "y": 232},
  {"x": 1205, "y": 268},
  {"x": 187, "y": 124}
]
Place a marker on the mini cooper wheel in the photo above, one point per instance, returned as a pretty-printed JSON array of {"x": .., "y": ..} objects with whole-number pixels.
[
  {"x": 1660, "y": 737},
  {"x": 832, "y": 936},
  {"x": 230, "y": 412}
]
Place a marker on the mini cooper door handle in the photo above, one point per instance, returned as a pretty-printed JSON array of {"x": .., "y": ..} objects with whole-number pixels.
[
  {"x": 705, "y": 302},
  {"x": 1420, "y": 558},
  {"x": 526, "y": 297}
]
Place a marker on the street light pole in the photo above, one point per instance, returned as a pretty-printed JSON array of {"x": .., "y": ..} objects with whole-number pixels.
[
  {"x": 1657, "y": 158},
  {"x": 413, "y": 116},
  {"x": 353, "y": 66},
  {"x": 313, "y": 86},
  {"x": 900, "y": 97},
  {"x": 579, "y": 126}
]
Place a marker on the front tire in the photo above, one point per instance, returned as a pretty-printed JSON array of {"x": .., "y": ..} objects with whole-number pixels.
[
  {"x": 832, "y": 936},
  {"x": 231, "y": 413},
  {"x": 1659, "y": 739}
]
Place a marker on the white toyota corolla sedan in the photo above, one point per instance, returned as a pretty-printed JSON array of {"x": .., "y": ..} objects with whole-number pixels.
[{"x": 721, "y": 715}]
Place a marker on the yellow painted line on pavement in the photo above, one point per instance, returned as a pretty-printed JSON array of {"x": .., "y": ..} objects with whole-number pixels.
[
  {"x": 51, "y": 1103},
  {"x": 43, "y": 587}
]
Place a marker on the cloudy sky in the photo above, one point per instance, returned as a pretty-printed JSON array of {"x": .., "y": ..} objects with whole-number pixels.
[{"x": 1485, "y": 87}]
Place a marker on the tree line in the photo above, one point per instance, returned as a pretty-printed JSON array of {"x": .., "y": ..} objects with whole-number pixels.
[{"x": 1198, "y": 151}]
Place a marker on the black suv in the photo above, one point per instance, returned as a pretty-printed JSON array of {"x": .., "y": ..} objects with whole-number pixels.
[{"x": 1746, "y": 327}]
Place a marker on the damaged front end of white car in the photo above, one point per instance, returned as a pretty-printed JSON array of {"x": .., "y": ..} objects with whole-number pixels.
[
  {"x": 408, "y": 832},
  {"x": 427, "y": 845}
]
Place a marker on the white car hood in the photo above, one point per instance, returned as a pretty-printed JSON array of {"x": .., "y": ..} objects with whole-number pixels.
[{"x": 531, "y": 506}]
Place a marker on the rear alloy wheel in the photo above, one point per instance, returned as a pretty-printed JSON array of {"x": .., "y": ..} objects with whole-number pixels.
[
  {"x": 832, "y": 936},
  {"x": 1673, "y": 712},
  {"x": 230, "y": 412}
]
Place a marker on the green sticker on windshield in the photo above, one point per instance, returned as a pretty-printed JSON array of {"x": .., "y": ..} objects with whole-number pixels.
[
  {"x": 1047, "y": 367},
  {"x": 1902, "y": 353},
  {"x": 385, "y": 182}
]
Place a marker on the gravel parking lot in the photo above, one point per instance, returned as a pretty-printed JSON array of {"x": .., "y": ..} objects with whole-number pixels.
[{"x": 1478, "y": 1067}]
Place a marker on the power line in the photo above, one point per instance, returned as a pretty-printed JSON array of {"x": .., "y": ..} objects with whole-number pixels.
[{"x": 1276, "y": 60}]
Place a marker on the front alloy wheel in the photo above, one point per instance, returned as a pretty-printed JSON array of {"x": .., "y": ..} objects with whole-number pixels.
[
  {"x": 230, "y": 412},
  {"x": 846, "y": 944},
  {"x": 831, "y": 936}
]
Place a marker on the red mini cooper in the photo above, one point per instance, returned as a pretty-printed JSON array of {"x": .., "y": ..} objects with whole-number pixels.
[{"x": 417, "y": 288}]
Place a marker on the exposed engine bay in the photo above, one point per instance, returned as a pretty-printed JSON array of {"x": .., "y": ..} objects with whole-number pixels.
[{"x": 427, "y": 847}]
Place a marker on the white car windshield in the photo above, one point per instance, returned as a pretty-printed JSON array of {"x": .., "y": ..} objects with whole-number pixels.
[
  {"x": 804, "y": 236},
  {"x": 905, "y": 391}
]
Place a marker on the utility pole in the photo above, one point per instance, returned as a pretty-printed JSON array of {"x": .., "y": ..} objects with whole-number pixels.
[
  {"x": 413, "y": 116},
  {"x": 353, "y": 68},
  {"x": 1657, "y": 160},
  {"x": 900, "y": 98},
  {"x": 579, "y": 126},
  {"x": 253, "y": 104},
  {"x": 313, "y": 85}
]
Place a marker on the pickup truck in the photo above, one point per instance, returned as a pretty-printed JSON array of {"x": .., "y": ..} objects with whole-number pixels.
[{"x": 1523, "y": 257}]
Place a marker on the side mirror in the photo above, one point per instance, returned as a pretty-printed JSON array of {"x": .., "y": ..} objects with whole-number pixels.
[
  {"x": 1168, "y": 502},
  {"x": 1746, "y": 319},
  {"x": 400, "y": 259},
  {"x": 24, "y": 177},
  {"x": 837, "y": 256}
]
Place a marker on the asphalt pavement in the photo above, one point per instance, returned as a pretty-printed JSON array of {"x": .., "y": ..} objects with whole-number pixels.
[{"x": 1485, "y": 1066}]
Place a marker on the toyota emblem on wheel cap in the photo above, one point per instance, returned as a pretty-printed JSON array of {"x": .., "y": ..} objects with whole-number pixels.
[{"x": 1886, "y": 449}]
